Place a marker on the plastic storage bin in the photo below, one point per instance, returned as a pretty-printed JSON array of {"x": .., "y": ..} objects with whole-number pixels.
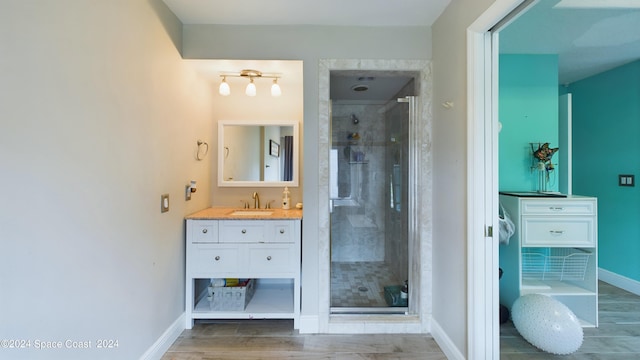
[{"x": 232, "y": 298}]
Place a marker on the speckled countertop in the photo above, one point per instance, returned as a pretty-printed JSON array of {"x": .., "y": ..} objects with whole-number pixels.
[{"x": 227, "y": 213}]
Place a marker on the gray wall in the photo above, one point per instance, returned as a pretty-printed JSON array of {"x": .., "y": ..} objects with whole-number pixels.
[
  {"x": 309, "y": 44},
  {"x": 99, "y": 116},
  {"x": 98, "y": 120},
  {"x": 450, "y": 161}
]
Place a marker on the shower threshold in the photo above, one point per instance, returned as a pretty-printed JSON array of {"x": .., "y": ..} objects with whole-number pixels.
[{"x": 368, "y": 310}]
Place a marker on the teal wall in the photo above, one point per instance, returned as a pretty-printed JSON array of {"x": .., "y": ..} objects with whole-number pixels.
[
  {"x": 528, "y": 111},
  {"x": 606, "y": 142}
]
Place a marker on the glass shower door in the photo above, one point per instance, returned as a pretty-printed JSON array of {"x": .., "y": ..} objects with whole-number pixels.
[{"x": 369, "y": 189}]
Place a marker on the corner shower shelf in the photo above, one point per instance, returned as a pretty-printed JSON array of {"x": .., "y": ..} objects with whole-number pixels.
[{"x": 358, "y": 162}]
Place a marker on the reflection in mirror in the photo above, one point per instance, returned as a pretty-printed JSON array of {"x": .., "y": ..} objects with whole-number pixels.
[{"x": 257, "y": 153}]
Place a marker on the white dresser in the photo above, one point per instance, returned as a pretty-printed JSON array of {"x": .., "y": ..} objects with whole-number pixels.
[
  {"x": 554, "y": 251},
  {"x": 265, "y": 248}
]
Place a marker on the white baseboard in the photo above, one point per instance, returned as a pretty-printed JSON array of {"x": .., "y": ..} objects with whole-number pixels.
[
  {"x": 625, "y": 283},
  {"x": 448, "y": 347},
  {"x": 309, "y": 324},
  {"x": 164, "y": 342}
]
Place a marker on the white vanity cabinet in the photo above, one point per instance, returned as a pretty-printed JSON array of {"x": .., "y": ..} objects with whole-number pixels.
[
  {"x": 267, "y": 250},
  {"x": 554, "y": 251}
]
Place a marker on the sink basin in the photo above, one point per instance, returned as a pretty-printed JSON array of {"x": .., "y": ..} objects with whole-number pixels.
[{"x": 251, "y": 213}]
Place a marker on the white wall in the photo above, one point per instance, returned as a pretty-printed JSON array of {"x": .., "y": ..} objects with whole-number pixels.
[
  {"x": 309, "y": 44},
  {"x": 450, "y": 161},
  {"x": 99, "y": 116}
]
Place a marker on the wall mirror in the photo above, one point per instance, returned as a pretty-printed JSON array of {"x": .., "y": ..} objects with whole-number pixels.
[{"x": 258, "y": 153}]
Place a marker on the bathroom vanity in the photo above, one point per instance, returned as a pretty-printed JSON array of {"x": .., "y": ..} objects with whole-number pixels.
[
  {"x": 255, "y": 244},
  {"x": 553, "y": 252}
]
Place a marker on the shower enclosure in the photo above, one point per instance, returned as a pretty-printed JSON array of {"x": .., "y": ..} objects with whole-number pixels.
[{"x": 369, "y": 190}]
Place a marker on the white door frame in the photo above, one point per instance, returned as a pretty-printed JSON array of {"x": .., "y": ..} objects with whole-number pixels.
[{"x": 483, "y": 337}]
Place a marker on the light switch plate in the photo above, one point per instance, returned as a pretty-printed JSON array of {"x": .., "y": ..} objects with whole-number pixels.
[{"x": 164, "y": 203}]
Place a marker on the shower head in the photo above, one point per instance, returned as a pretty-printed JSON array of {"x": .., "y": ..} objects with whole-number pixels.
[{"x": 354, "y": 119}]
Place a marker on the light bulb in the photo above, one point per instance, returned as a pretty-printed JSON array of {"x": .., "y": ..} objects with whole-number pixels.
[
  {"x": 275, "y": 88},
  {"x": 224, "y": 89},
  {"x": 251, "y": 89}
]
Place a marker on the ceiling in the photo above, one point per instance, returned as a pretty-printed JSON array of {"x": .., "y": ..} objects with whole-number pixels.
[
  {"x": 587, "y": 40},
  {"x": 382, "y": 86},
  {"x": 298, "y": 12},
  {"x": 378, "y": 85}
]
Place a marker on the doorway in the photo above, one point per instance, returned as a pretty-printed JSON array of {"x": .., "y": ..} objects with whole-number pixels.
[
  {"x": 369, "y": 188},
  {"x": 415, "y": 318}
]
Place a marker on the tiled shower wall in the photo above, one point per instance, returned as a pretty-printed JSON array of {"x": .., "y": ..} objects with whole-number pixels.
[
  {"x": 358, "y": 232},
  {"x": 375, "y": 229}
]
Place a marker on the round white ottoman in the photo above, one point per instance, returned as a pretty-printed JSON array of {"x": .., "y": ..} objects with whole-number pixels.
[{"x": 547, "y": 324}]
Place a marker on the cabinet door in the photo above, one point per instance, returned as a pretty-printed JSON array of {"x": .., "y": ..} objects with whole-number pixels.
[
  {"x": 215, "y": 259},
  {"x": 558, "y": 231}
]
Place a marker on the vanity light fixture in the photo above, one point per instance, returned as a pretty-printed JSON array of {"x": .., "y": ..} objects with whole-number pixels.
[
  {"x": 275, "y": 88},
  {"x": 251, "y": 88},
  {"x": 225, "y": 90}
]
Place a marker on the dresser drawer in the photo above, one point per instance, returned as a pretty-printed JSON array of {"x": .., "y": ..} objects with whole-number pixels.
[
  {"x": 550, "y": 207},
  {"x": 204, "y": 231},
  {"x": 272, "y": 259},
  {"x": 214, "y": 259},
  {"x": 242, "y": 231},
  {"x": 280, "y": 232},
  {"x": 558, "y": 232}
]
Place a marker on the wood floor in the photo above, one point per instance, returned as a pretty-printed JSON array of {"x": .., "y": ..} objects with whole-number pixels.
[
  {"x": 276, "y": 339},
  {"x": 617, "y": 338}
]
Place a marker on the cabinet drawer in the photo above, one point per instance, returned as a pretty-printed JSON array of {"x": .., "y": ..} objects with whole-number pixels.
[
  {"x": 215, "y": 258},
  {"x": 558, "y": 232},
  {"x": 272, "y": 259},
  {"x": 242, "y": 231},
  {"x": 550, "y": 207},
  {"x": 204, "y": 232},
  {"x": 280, "y": 232}
]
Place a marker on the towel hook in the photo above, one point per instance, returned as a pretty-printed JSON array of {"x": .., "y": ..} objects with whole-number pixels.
[{"x": 201, "y": 154}]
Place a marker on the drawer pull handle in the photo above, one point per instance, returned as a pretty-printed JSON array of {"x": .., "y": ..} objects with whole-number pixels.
[
  {"x": 556, "y": 232},
  {"x": 269, "y": 258},
  {"x": 281, "y": 231},
  {"x": 204, "y": 231},
  {"x": 244, "y": 231},
  {"x": 556, "y": 208},
  {"x": 217, "y": 258}
]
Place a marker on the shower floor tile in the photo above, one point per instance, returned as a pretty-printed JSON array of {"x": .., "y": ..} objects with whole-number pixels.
[{"x": 360, "y": 284}]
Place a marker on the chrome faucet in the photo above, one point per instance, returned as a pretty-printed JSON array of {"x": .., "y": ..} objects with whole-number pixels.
[{"x": 256, "y": 200}]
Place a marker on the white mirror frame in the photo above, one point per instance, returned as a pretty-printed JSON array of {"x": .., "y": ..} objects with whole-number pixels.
[{"x": 296, "y": 139}]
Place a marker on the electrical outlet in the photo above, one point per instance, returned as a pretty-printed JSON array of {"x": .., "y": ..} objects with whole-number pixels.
[
  {"x": 626, "y": 180},
  {"x": 164, "y": 203}
]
